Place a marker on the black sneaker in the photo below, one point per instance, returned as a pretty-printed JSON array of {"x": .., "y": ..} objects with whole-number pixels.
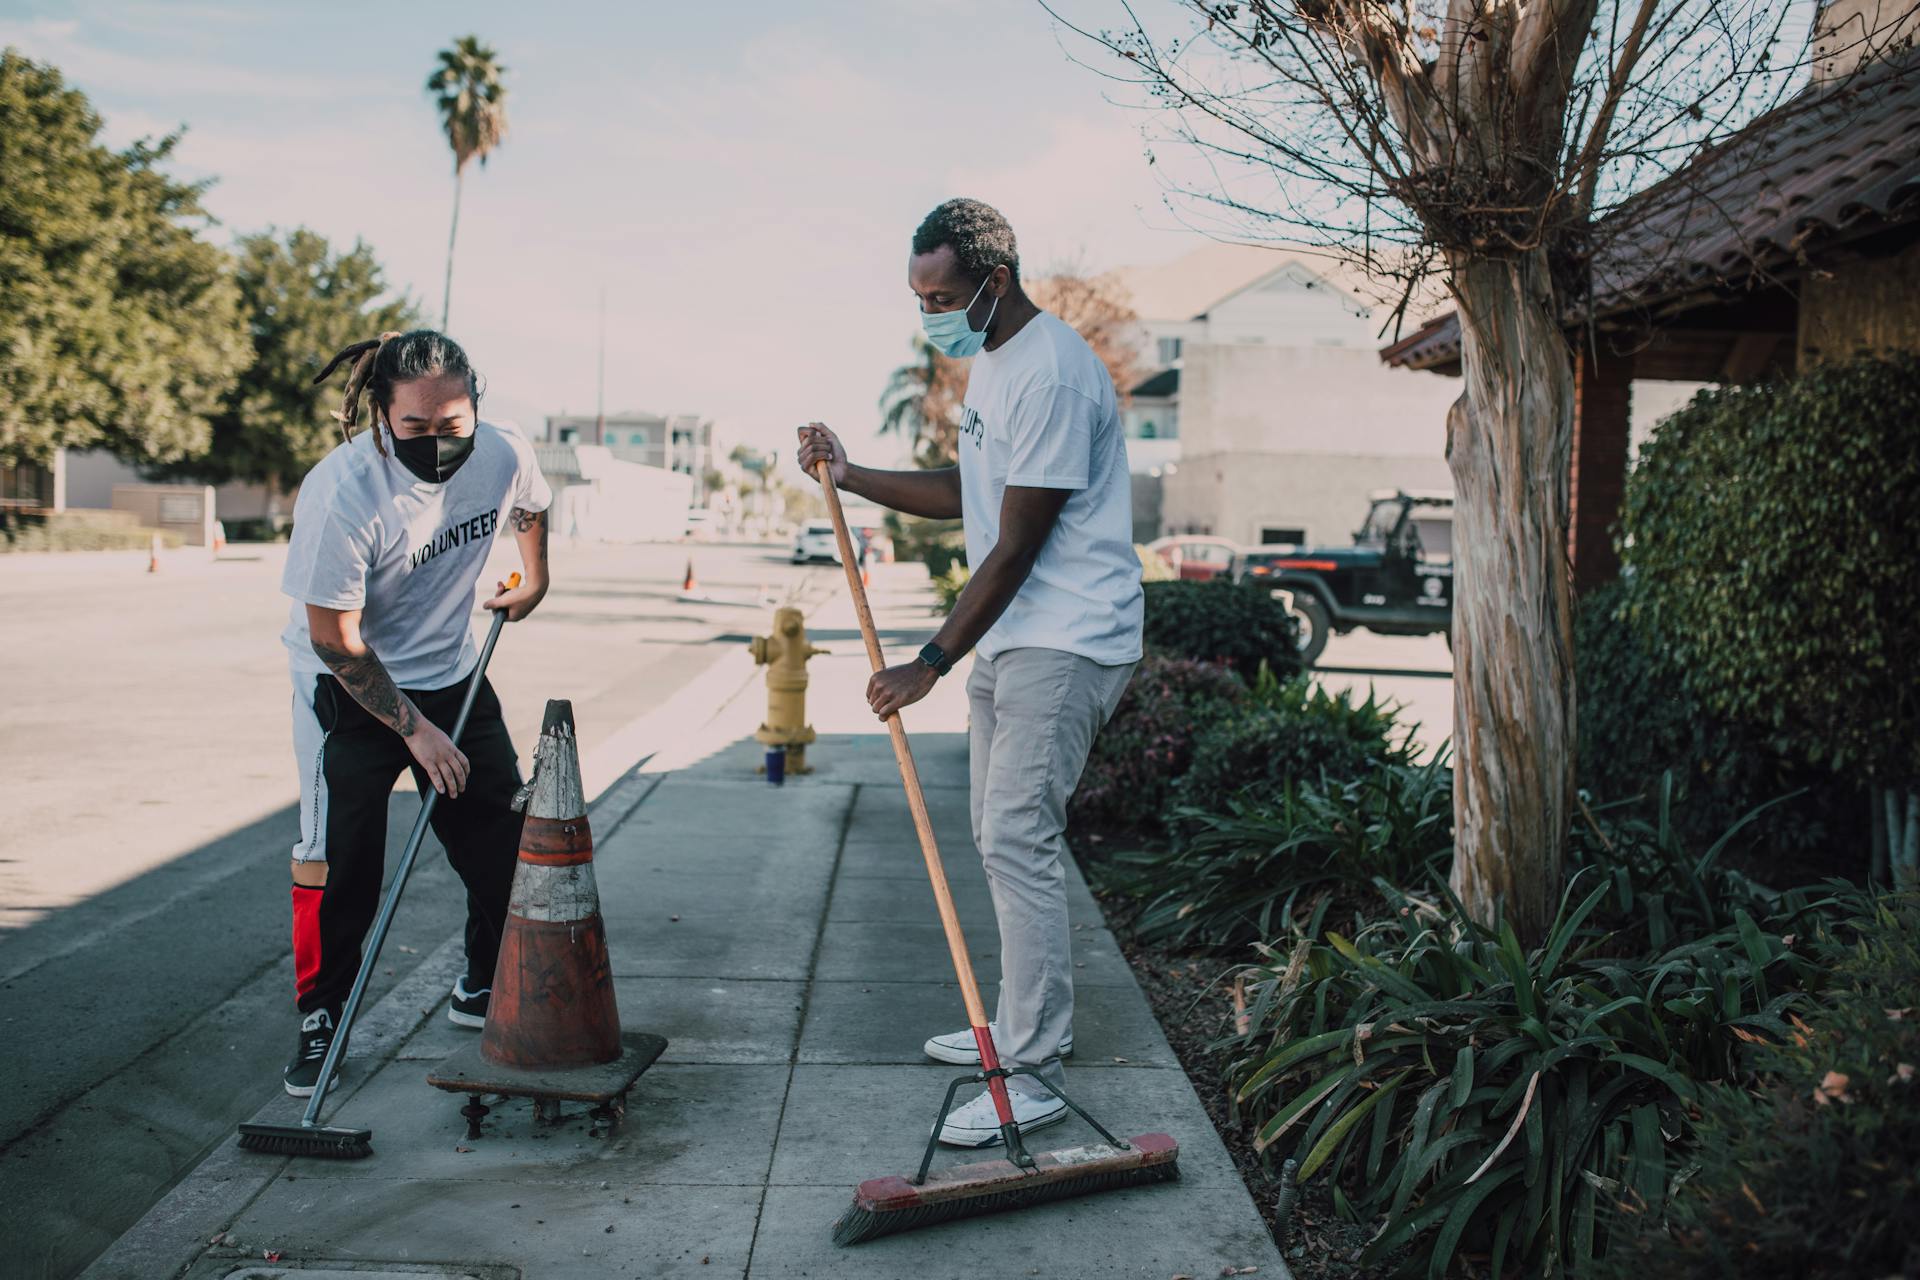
[
  {"x": 310, "y": 1051},
  {"x": 469, "y": 1008}
]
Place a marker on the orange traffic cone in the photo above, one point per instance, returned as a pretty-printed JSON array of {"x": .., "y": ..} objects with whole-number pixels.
[
  {"x": 553, "y": 1027},
  {"x": 866, "y": 574},
  {"x": 689, "y": 584},
  {"x": 153, "y": 554}
]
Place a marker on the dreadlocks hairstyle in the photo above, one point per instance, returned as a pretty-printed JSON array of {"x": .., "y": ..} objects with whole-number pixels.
[
  {"x": 380, "y": 364},
  {"x": 980, "y": 237}
]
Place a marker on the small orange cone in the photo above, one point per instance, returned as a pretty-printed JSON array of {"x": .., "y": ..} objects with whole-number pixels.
[
  {"x": 153, "y": 554},
  {"x": 866, "y": 574},
  {"x": 689, "y": 583},
  {"x": 553, "y": 1028}
]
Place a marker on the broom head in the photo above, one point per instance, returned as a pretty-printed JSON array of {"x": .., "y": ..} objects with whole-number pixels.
[
  {"x": 329, "y": 1142},
  {"x": 883, "y": 1206}
]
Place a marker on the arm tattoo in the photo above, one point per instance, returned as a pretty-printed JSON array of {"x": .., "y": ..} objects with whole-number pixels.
[
  {"x": 524, "y": 521},
  {"x": 367, "y": 680}
]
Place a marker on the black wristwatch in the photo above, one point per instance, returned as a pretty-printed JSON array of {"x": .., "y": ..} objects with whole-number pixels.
[{"x": 936, "y": 657}]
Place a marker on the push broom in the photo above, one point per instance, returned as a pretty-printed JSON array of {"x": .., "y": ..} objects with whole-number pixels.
[
  {"x": 883, "y": 1206},
  {"x": 339, "y": 1142}
]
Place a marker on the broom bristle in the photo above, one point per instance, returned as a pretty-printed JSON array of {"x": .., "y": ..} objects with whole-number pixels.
[
  {"x": 888, "y": 1206},
  {"x": 325, "y": 1141}
]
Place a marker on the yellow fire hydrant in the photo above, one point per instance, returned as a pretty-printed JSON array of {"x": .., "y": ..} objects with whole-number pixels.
[{"x": 784, "y": 654}]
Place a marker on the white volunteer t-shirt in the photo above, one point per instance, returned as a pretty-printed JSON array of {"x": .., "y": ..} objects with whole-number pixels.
[
  {"x": 1041, "y": 413},
  {"x": 370, "y": 535}
]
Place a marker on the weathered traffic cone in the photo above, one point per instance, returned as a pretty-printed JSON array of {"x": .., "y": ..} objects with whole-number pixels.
[
  {"x": 866, "y": 574},
  {"x": 688, "y": 584},
  {"x": 553, "y": 1003},
  {"x": 553, "y": 1028},
  {"x": 153, "y": 554}
]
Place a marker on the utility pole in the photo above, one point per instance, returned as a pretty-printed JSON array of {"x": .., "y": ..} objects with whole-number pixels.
[{"x": 600, "y": 377}]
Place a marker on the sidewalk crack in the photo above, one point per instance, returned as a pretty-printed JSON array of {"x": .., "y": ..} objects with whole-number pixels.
[{"x": 800, "y": 1027}]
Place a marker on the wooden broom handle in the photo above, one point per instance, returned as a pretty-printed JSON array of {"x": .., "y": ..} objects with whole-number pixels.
[{"x": 909, "y": 776}]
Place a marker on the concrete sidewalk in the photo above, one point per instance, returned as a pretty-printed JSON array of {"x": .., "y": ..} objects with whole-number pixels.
[{"x": 785, "y": 941}]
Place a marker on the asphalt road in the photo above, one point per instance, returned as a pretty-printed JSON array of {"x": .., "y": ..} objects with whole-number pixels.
[{"x": 145, "y": 980}]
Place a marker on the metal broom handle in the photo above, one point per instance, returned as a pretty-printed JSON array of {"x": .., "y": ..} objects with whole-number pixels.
[{"x": 375, "y": 940}]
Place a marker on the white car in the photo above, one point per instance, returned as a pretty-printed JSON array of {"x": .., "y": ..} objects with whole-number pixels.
[{"x": 815, "y": 541}]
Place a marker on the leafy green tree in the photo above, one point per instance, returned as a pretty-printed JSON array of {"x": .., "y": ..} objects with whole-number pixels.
[
  {"x": 1770, "y": 528},
  {"x": 303, "y": 302},
  {"x": 119, "y": 326},
  {"x": 467, "y": 88}
]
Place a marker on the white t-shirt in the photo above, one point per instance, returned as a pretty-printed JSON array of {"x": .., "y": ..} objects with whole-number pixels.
[
  {"x": 1041, "y": 413},
  {"x": 369, "y": 535}
]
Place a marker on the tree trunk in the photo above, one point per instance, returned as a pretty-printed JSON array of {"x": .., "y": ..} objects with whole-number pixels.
[
  {"x": 453, "y": 231},
  {"x": 1877, "y": 860},
  {"x": 1903, "y": 837},
  {"x": 1509, "y": 443}
]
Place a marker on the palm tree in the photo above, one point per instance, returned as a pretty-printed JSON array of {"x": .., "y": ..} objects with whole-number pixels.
[
  {"x": 472, "y": 99},
  {"x": 922, "y": 402}
]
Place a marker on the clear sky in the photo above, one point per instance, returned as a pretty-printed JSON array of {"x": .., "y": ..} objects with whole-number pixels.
[{"x": 742, "y": 178}]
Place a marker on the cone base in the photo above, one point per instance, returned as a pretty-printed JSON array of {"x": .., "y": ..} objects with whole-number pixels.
[{"x": 467, "y": 1072}]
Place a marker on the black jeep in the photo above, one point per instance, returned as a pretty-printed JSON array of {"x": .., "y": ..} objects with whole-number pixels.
[{"x": 1396, "y": 579}]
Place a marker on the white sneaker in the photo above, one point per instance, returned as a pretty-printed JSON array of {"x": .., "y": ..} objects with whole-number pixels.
[
  {"x": 960, "y": 1049},
  {"x": 977, "y": 1123}
]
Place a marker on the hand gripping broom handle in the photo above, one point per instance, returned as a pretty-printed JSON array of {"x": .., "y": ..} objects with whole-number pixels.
[
  {"x": 378, "y": 936},
  {"x": 917, "y": 803}
]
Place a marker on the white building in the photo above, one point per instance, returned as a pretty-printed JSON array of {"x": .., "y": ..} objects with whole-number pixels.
[
  {"x": 680, "y": 442},
  {"x": 1266, "y": 415}
]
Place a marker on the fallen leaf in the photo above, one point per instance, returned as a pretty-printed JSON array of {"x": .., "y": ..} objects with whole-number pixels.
[
  {"x": 1832, "y": 1088},
  {"x": 1902, "y": 1074},
  {"x": 1752, "y": 1199},
  {"x": 609, "y": 1228},
  {"x": 1898, "y": 1015},
  {"x": 1119, "y": 1059},
  {"x": 271, "y": 1255},
  {"x": 412, "y": 951},
  {"x": 464, "y": 1150}
]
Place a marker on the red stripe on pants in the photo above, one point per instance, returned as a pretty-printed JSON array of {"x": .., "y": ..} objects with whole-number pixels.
[{"x": 306, "y": 937}]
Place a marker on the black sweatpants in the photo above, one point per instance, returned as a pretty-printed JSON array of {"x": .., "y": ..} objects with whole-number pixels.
[{"x": 356, "y": 763}]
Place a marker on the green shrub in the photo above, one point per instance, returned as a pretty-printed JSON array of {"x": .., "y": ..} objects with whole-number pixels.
[
  {"x": 1662, "y": 891},
  {"x": 1216, "y": 621},
  {"x": 1464, "y": 1094},
  {"x": 948, "y": 586},
  {"x": 1130, "y": 773},
  {"x": 1281, "y": 864},
  {"x": 1770, "y": 530},
  {"x": 1290, "y": 734},
  {"x": 1814, "y": 1173},
  {"x": 1639, "y": 721},
  {"x": 939, "y": 544}
]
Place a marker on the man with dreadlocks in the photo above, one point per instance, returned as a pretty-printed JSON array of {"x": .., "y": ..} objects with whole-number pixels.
[{"x": 390, "y": 534}]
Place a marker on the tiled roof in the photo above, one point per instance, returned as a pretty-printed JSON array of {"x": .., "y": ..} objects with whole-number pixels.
[{"x": 1823, "y": 165}]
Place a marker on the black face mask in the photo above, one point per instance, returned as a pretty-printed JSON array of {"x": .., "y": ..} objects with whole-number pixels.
[{"x": 433, "y": 458}]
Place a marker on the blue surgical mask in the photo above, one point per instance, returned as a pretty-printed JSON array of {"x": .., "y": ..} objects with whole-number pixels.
[{"x": 952, "y": 334}]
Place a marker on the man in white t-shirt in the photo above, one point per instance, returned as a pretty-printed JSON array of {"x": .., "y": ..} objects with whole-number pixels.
[
  {"x": 390, "y": 535},
  {"x": 1052, "y": 613}
]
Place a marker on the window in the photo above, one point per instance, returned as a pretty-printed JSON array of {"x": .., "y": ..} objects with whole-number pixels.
[
  {"x": 1272, "y": 535},
  {"x": 1148, "y": 431},
  {"x": 1169, "y": 350},
  {"x": 569, "y": 435},
  {"x": 636, "y": 437}
]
